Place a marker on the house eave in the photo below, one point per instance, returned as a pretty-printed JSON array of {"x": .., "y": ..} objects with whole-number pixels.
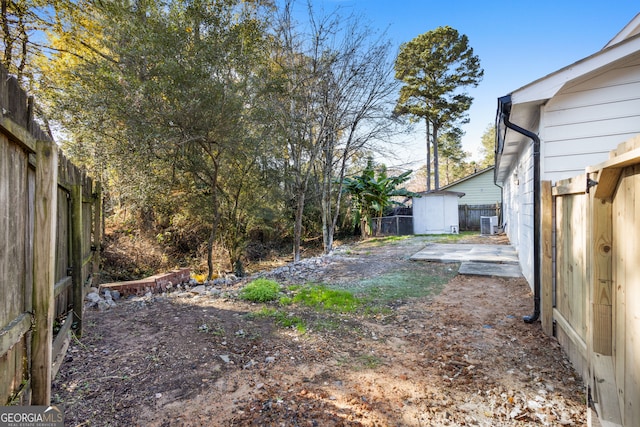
[
  {"x": 631, "y": 29},
  {"x": 510, "y": 144},
  {"x": 525, "y": 103},
  {"x": 546, "y": 87}
]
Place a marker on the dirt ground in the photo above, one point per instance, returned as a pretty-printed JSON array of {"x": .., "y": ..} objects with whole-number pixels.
[{"x": 461, "y": 356}]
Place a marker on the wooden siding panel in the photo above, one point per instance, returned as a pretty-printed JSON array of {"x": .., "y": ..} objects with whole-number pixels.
[
  {"x": 479, "y": 190},
  {"x": 627, "y": 125},
  {"x": 603, "y": 110},
  {"x": 622, "y": 75},
  {"x": 570, "y": 148},
  {"x": 586, "y": 120},
  {"x": 577, "y": 165},
  {"x": 596, "y": 97}
]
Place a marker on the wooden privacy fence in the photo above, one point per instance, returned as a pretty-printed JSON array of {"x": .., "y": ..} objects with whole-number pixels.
[
  {"x": 50, "y": 234},
  {"x": 590, "y": 296},
  {"x": 469, "y": 215}
]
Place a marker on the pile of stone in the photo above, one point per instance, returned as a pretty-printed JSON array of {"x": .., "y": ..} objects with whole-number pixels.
[{"x": 101, "y": 301}]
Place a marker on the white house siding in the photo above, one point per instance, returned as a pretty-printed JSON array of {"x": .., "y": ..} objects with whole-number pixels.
[
  {"x": 518, "y": 211},
  {"x": 479, "y": 190},
  {"x": 588, "y": 118}
]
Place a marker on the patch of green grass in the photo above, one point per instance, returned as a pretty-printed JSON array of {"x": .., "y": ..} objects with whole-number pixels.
[
  {"x": 285, "y": 301},
  {"x": 369, "y": 361},
  {"x": 403, "y": 284},
  {"x": 320, "y": 296},
  {"x": 328, "y": 324},
  {"x": 450, "y": 238},
  {"x": 363, "y": 361},
  {"x": 282, "y": 319},
  {"x": 204, "y": 328},
  {"x": 260, "y": 290},
  {"x": 379, "y": 241}
]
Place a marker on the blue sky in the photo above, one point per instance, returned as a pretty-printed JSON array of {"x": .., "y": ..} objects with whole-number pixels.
[{"x": 517, "y": 42}]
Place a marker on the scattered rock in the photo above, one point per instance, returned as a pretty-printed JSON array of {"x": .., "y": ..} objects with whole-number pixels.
[
  {"x": 199, "y": 290},
  {"x": 94, "y": 300}
]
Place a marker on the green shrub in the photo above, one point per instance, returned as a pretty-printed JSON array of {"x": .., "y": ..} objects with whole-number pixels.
[
  {"x": 331, "y": 299},
  {"x": 260, "y": 290}
]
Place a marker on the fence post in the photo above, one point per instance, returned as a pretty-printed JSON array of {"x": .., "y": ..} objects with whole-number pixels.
[
  {"x": 466, "y": 217},
  {"x": 601, "y": 275},
  {"x": 547, "y": 258},
  {"x": 76, "y": 255},
  {"x": 44, "y": 251},
  {"x": 97, "y": 231}
]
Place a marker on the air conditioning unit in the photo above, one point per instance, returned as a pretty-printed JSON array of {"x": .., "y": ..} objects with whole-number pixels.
[{"x": 488, "y": 225}]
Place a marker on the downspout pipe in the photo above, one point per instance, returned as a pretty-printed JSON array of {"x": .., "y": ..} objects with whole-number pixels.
[{"x": 536, "y": 212}]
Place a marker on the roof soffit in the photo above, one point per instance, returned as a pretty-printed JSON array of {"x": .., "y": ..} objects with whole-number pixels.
[{"x": 545, "y": 88}]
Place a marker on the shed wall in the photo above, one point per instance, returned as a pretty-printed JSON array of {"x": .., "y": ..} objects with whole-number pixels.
[{"x": 435, "y": 214}]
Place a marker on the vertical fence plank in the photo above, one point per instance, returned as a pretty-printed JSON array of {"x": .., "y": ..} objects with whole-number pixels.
[
  {"x": 76, "y": 255},
  {"x": 44, "y": 269},
  {"x": 547, "y": 258},
  {"x": 97, "y": 231},
  {"x": 601, "y": 276}
]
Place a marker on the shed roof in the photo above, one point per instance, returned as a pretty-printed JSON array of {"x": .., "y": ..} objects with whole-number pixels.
[{"x": 440, "y": 193}]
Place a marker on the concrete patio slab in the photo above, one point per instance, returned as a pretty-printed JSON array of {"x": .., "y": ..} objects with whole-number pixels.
[
  {"x": 484, "y": 260},
  {"x": 489, "y": 269}
]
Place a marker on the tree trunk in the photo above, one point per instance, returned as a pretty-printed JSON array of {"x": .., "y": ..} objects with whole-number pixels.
[
  {"x": 297, "y": 226},
  {"x": 364, "y": 227},
  {"x": 428, "y": 156},
  {"x": 436, "y": 174},
  {"x": 212, "y": 239},
  {"x": 325, "y": 198},
  {"x": 214, "y": 225}
]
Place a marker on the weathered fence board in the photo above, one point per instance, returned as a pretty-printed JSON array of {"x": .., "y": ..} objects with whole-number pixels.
[
  {"x": 35, "y": 218},
  {"x": 469, "y": 215}
]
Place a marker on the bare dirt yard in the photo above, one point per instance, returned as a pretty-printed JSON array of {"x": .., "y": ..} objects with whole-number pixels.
[{"x": 426, "y": 347}]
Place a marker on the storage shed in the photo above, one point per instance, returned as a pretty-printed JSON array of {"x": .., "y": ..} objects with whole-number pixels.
[{"x": 436, "y": 212}]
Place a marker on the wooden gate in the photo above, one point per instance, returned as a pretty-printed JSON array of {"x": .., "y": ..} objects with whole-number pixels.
[{"x": 591, "y": 279}]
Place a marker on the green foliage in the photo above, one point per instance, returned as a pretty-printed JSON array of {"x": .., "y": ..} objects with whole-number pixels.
[
  {"x": 285, "y": 301},
  {"x": 283, "y": 319},
  {"x": 320, "y": 296},
  {"x": 453, "y": 165},
  {"x": 260, "y": 290},
  {"x": 488, "y": 146},
  {"x": 212, "y": 120},
  {"x": 435, "y": 68},
  {"x": 371, "y": 195}
]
